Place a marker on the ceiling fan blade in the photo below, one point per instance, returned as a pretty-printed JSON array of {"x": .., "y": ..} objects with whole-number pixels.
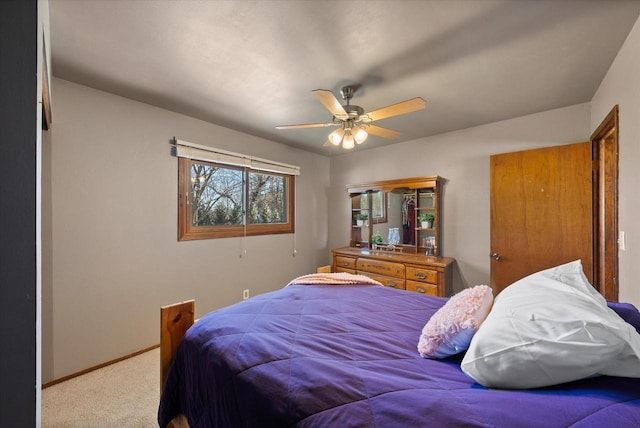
[
  {"x": 307, "y": 125},
  {"x": 397, "y": 109},
  {"x": 382, "y": 132},
  {"x": 330, "y": 102}
]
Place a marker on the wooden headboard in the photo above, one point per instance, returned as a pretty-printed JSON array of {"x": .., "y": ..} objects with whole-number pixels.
[{"x": 175, "y": 320}]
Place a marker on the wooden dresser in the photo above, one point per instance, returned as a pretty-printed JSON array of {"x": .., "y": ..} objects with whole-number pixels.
[{"x": 412, "y": 272}]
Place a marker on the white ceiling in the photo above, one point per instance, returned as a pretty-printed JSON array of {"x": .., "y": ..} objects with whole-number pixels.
[{"x": 251, "y": 65}]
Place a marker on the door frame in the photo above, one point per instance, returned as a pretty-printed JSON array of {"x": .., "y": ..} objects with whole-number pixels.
[{"x": 605, "y": 205}]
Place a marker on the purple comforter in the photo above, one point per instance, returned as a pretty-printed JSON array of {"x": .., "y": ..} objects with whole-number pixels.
[{"x": 328, "y": 356}]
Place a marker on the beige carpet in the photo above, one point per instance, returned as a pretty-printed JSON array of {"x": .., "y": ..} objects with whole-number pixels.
[{"x": 124, "y": 394}]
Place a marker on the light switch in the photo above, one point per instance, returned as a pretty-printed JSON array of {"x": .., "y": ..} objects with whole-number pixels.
[{"x": 621, "y": 243}]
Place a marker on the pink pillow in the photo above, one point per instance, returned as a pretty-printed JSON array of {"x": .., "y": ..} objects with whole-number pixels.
[{"x": 450, "y": 329}]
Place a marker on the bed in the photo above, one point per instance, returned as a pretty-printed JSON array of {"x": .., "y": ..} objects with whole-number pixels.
[{"x": 344, "y": 355}]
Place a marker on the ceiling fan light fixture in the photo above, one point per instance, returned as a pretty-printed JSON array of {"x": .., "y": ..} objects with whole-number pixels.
[
  {"x": 347, "y": 141},
  {"x": 361, "y": 135},
  {"x": 336, "y": 136},
  {"x": 353, "y": 120}
]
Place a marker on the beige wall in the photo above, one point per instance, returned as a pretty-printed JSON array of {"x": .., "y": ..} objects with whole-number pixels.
[
  {"x": 115, "y": 258},
  {"x": 462, "y": 158},
  {"x": 621, "y": 86}
]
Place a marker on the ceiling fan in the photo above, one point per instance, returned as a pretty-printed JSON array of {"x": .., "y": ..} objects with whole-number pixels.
[{"x": 354, "y": 122}]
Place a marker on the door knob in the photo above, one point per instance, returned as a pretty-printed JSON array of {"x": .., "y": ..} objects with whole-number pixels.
[{"x": 496, "y": 256}]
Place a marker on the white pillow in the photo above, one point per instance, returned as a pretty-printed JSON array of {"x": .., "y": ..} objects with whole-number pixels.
[{"x": 548, "y": 328}]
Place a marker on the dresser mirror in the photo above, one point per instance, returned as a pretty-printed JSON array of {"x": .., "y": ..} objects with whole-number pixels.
[
  {"x": 396, "y": 218},
  {"x": 384, "y": 206}
]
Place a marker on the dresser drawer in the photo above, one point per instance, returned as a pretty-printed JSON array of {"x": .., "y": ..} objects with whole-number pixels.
[
  {"x": 380, "y": 267},
  {"x": 387, "y": 281},
  {"x": 345, "y": 263},
  {"x": 410, "y": 271},
  {"x": 421, "y": 287},
  {"x": 422, "y": 274}
]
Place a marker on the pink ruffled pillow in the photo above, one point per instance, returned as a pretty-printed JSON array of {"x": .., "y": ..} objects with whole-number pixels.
[{"x": 450, "y": 329}]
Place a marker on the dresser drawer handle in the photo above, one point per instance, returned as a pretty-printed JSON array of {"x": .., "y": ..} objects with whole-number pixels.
[
  {"x": 420, "y": 275},
  {"x": 344, "y": 264},
  {"x": 392, "y": 284},
  {"x": 421, "y": 290}
]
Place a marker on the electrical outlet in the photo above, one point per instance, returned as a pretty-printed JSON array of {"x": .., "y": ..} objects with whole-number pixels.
[{"x": 245, "y": 294}]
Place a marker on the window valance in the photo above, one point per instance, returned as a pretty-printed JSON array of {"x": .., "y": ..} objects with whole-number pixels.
[{"x": 188, "y": 150}]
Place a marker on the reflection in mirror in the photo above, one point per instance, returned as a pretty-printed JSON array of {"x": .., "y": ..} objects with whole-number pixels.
[
  {"x": 378, "y": 206},
  {"x": 368, "y": 208},
  {"x": 400, "y": 206}
]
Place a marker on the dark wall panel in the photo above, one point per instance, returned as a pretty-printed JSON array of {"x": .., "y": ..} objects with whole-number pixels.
[{"x": 18, "y": 120}]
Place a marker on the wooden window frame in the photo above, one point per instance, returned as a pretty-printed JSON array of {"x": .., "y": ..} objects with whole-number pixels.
[{"x": 189, "y": 232}]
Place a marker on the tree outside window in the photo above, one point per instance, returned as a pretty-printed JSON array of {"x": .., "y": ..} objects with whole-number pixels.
[{"x": 220, "y": 201}]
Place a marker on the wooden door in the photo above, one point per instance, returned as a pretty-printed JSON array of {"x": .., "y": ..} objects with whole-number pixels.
[{"x": 541, "y": 211}]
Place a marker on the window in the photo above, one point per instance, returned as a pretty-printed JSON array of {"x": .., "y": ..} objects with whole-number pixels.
[
  {"x": 218, "y": 200},
  {"x": 378, "y": 205}
]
